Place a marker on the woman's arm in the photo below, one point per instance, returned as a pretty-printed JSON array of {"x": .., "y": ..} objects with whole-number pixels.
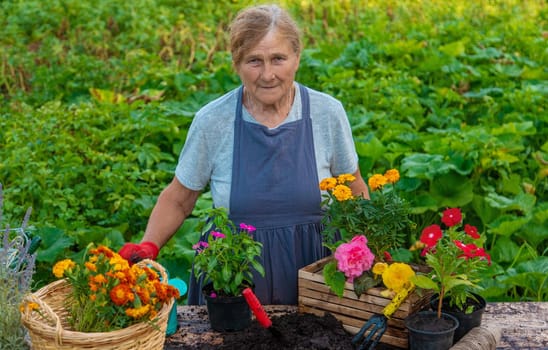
[
  {"x": 174, "y": 205},
  {"x": 358, "y": 186}
]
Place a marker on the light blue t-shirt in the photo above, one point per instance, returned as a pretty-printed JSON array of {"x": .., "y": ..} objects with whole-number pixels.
[{"x": 207, "y": 154}]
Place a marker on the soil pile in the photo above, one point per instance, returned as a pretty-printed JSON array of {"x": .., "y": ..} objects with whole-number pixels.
[{"x": 298, "y": 331}]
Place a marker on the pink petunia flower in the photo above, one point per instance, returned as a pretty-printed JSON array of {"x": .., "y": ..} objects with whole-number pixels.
[{"x": 217, "y": 234}]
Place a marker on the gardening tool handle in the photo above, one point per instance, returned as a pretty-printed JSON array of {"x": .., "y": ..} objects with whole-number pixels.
[{"x": 256, "y": 307}]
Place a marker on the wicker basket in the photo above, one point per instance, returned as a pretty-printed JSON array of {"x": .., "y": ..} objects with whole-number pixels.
[{"x": 49, "y": 329}]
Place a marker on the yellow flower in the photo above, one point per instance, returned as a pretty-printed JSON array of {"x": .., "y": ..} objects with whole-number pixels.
[
  {"x": 328, "y": 184},
  {"x": 30, "y": 306},
  {"x": 379, "y": 268},
  {"x": 343, "y": 179},
  {"x": 397, "y": 276},
  {"x": 138, "y": 312},
  {"x": 118, "y": 263},
  {"x": 342, "y": 193},
  {"x": 417, "y": 246},
  {"x": 392, "y": 175},
  {"x": 377, "y": 181},
  {"x": 61, "y": 266}
]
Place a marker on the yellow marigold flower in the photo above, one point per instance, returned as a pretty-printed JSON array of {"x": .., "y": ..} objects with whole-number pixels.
[
  {"x": 118, "y": 263},
  {"x": 138, "y": 312},
  {"x": 377, "y": 181},
  {"x": 343, "y": 179},
  {"x": 328, "y": 184},
  {"x": 61, "y": 266},
  {"x": 417, "y": 246},
  {"x": 392, "y": 175},
  {"x": 342, "y": 193},
  {"x": 379, "y": 268},
  {"x": 30, "y": 306},
  {"x": 397, "y": 276}
]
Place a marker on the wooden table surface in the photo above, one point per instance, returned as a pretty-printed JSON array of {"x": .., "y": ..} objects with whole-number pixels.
[{"x": 522, "y": 325}]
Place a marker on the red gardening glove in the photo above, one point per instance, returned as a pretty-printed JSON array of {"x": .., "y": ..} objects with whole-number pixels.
[{"x": 136, "y": 252}]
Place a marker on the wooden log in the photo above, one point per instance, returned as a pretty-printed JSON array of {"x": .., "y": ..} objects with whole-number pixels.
[{"x": 479, "y": 338}]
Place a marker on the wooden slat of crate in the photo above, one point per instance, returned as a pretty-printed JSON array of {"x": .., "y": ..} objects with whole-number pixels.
[{"x": 315, "y": 297}]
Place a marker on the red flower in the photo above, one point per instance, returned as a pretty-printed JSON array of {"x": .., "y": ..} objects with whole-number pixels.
[
  {"x": 451, "y": 217},
  {"x": 431, "y": 235},
  {"x": 387, "y": 256},
  {"x": 471, "y": 231},
  {"x": 472, "y": 251}
]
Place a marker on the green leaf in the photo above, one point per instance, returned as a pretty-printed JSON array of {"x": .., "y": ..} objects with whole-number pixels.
[
  {"x": 364, "y": 282},
  {"x": 55, "y": 242},
  {"x": 425, "y": 282},
  {"x": 452, "y": 190},
  {"x": 334, "y": 278}
]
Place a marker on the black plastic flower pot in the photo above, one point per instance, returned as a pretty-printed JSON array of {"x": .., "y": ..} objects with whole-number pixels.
[
  {"x": 427, "y": 332},
  {"x": 227, "y": 313},
  {"x": 466, "y": 321}
]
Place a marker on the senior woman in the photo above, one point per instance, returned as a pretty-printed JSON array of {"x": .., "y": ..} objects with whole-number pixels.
[{"x": 262, "y": 148}]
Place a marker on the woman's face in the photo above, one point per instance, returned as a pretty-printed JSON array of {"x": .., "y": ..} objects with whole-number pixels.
[{"x": 268, "y": 69}]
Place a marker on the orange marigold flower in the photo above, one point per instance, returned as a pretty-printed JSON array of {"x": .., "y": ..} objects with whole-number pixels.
[
  {"x": 151, "y": 274},
  {"x": 93, "y": 297},
  {"x": 143, "y": 294},
  {"x": 328, "y": 184},
  {"x": 90, "y": 266},
  {"x": 161, "y": 290},
  {"x": 342, "y": 193},
  {"x": 99, "y": 279},
  {"x": 343, "y": 179},
  {"x": 121, "y": 294},
  {"x": 94, "y": 287},
  {"x": 61, "y": 266},
  {"x": 102, "y": 250},
  {"x": 377, "y": 181},
  {"x": 392, "y": 175}
]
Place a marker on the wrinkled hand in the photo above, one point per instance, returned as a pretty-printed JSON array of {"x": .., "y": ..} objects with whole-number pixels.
[{"x": 134, "y": 253}]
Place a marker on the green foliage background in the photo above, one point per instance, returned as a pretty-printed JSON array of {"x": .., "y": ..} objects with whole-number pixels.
[{"x": 97, "y": 97}]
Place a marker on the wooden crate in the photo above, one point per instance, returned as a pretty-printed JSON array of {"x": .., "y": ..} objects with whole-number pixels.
[{"x": 315, "y": 297}]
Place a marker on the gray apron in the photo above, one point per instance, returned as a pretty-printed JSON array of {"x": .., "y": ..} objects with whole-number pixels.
[{"x": 275, "y": 188}]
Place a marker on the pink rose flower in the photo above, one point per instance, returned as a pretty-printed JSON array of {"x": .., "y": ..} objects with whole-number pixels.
[{"x": 354, "y": 257}]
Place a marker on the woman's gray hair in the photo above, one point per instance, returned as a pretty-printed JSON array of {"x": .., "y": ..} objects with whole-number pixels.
[{"x": 252, "y": 24}]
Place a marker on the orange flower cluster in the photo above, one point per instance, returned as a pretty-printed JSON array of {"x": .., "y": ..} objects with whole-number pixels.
[
  {"x": 338, "y": 186},
  {"x": 379, "y": 180},
  {"x": 109, "y": 294}
]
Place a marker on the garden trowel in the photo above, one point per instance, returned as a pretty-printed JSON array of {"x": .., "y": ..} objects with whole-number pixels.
[{"x": 260, "y": 314}]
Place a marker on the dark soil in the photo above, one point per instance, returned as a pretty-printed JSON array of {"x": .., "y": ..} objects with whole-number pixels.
[
  {"x": 429, "y": 322},
  {"x": 295, "y": 331}
]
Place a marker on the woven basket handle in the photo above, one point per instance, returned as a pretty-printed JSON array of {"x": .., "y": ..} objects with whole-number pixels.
[
  {"x": 156, "y": 266},
  {"x": 44, "y": 308}
]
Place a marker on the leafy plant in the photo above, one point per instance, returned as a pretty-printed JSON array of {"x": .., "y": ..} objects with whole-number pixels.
[
  {"x": 229, "y": 255},
  {"x": 383, "y": 219},
  {"x": 17, "y": 259},
  {"x": 456, "y": 258}
]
